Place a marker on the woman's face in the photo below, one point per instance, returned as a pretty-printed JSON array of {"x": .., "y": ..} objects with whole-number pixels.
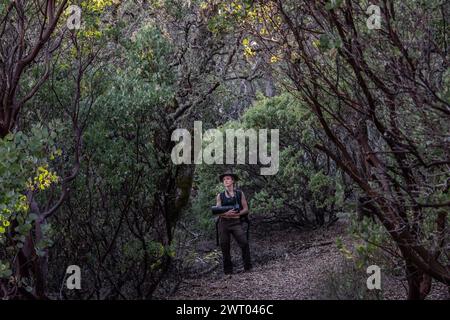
[{"x": 228, "y": 181}]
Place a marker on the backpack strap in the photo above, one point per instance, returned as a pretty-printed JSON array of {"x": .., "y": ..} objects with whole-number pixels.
[
  {"x": 222, "y": 197},
  {"x": 239, "y": 197},
  {"x": 222, "y": 200},
  {"x": 243, "y": 218},
  {"x": 217, "y": 232}
]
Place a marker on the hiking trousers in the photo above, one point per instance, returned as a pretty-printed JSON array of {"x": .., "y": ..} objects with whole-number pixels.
[{"x": 228, "y": 227}]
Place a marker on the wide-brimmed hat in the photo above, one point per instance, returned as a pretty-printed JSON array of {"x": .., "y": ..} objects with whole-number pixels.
[{"x": 229, "y": 173}]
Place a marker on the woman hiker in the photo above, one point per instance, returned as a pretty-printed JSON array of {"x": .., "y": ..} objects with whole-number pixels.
[{"x": 231, "y": 222}]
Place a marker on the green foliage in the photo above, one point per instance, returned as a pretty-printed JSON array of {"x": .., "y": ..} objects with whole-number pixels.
[
  {"x": 327, "y": 42},
  {"x": 320, "y": 184},
  {"x": 300, "y": 192},
  {"x": 5, "y": 270},
  {"x": 333, "y": 4},
  {"x": 370, "y": 239},
  {"x": 122, "y": 181},
  {"x": 347, "y": 283},
  {"x": 24, "y": 162},
  {"x": 207, "y": 186}
]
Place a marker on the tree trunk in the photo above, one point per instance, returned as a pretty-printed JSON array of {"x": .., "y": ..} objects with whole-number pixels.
[
  {"x": 3, "y": 131},
  {"x": 419, "y": 284}
]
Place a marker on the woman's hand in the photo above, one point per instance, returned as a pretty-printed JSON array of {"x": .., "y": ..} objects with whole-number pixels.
[{"x": 232, "y": 214}]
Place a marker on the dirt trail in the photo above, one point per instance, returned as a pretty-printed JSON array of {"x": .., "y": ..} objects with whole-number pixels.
[{"x": 287, "y": 265}]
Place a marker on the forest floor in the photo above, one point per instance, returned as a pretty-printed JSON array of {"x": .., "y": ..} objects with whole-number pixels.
[{"x": 288, "y": 264}]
